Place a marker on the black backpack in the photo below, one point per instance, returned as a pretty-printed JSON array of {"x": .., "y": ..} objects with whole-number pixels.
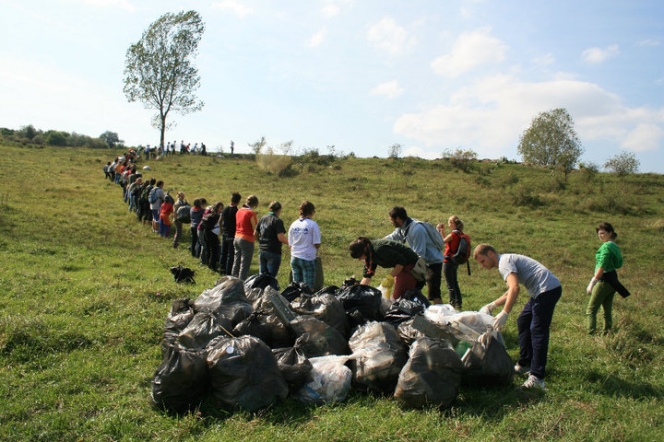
[
  {"x": 145, "y": 194},
  {"x": 184, "y": 214}
]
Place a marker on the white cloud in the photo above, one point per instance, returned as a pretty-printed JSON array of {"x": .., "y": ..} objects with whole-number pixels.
[
  {"x": 235, "y": 6},
  {"x": 649, "y": 42},
  {"x": 390, "y": 89},
  {"x": 390, "y": 37},
  {"x": 330, "y": 10},
  {"x": 644, "y": 137},
  {"x": 317, "y": 38},
  {"x": 599, "y": 55},
  {"x": 471, "y": 50},
  {"x": 544, "y": 60},
  {"x": 489, "y": 116}
]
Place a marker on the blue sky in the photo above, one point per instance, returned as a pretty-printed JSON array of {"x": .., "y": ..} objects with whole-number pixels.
[{"x": 359, "y": 75}]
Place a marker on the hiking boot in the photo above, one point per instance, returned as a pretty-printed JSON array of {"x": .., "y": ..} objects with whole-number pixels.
[
  {"x": 533, "y": 382},
  {"x": 518, "y": 369}
]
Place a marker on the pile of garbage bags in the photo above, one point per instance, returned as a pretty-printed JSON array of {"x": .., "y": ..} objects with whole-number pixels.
[{"x": 250, "y": 346}]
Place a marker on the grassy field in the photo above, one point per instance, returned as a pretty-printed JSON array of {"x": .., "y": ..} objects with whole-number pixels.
[{"x": 85, "y": 290}]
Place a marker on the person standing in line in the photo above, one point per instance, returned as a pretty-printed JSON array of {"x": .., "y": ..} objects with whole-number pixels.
[
  {"x": 415, "y": 234},
  {"x": 211, "y": 232},
  {"x": 604, "y": 282},
  {"x": 196, "y": 214},
  {"x": 165, "y": 213},
  {"x": 155, "y": 206},
  {"x": 451, "y": 269},
  {"x": 245, "y": 228},
  {"x": 228, "y": 234},
  {"x": 270, "y": 232},
  {"x": 304, "y": 239},
  {"x": 388, "y": 254},
  {"x": 534, "y": 322},
  {"x": 180, "y": 202}
]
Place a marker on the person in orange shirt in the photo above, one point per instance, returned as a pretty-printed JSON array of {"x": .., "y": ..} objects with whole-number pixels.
[
  {"x": 165, "y": 212},
  {"x": 245, "y": 237}
]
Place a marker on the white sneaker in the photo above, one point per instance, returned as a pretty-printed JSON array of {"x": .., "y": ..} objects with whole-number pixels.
[
  {"x": 518, "y": 369},
  {"x": 533, "y": 382}
]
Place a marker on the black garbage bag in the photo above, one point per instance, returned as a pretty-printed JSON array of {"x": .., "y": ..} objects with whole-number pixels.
[
  {"x": 487, "y": 363},
  {"x": 226, "y": 301},
  {"x": 182, "y": 312},
  {"x": 278, "y": 333},
  {"x": 244, "y": 374},
  {"x": 362, "y": 304},
  {"x": 252, "y": 326},
  {"x": 379, "y": 356},
  {"x": 201, "y": 330},
  {"x": 295, "y": 289},
  {"x": 403, "y": 309},
  {"x": 316, "y": 338},
  {"x": 294, "y": 365},
  {"x": 325, "y": 307},
  {"x": 183, "y": 274},
  {"x": 431, "y": 376},
  {"x": 181, "y": 380},
  {"x": 260, "y": 281},
  {"x": 330, "y": 290}
]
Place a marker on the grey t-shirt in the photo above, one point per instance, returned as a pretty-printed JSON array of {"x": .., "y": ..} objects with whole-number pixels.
[{"x": 534, "y": 276}]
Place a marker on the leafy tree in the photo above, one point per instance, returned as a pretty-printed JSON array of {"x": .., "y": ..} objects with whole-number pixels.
[
  {"x": 56, "y": 138},
  {"x": 623, "y": 164},
  {"x": 551, "y": 141},
  {"x": 394, "y": 151},
  {"x": 29, "y": 131},
  {"x": 257, "y": 147},
  {"x": 159, "y": 70},
  {"x": 110, "y": 138}
]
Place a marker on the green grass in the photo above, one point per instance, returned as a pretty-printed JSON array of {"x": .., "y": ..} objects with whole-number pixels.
[{"x": 81, "y": 321}]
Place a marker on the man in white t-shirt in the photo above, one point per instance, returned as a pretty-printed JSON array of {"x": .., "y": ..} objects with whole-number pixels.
[{"x": 534, "y": 322}]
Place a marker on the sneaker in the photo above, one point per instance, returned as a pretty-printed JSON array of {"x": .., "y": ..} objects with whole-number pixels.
[
  {"x": 533, "y": 382},
  {"x": 518, "y": 369}
]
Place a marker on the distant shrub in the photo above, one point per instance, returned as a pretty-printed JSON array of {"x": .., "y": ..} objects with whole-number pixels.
[
  {"x": 465, "y": 160},
  {"x": 511, "y": 179},
  {"x": 588, "y": 171},
  {"x": 623, "y": 164},
  {"x": 523, "y": 196},
  {"x": 272, "y": 163}
]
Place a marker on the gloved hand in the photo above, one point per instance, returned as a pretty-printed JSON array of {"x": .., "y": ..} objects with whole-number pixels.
[
  {"x": 501, "y": 320},
  {"x": 487, "y": 308},
  {"x": 592, "y": 283}
]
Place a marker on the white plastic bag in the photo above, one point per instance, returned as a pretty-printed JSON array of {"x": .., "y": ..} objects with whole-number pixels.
[{"x": 328, "y": 381}]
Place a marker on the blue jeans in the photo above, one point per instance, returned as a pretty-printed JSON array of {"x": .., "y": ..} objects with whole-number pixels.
[
  {"x": 534, "y": 325},
  {"x": 269, "y": 262}
]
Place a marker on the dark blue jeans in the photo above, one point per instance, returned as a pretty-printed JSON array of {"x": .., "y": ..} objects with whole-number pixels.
[
  {"x": 269, "y": 262},
  {"x": 534, "y": 325}
]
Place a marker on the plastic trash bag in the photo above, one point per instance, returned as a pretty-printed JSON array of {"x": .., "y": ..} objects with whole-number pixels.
[
  {"x": 406, "y": 307},
  {"x": 318, "y": 338},
  {"x": 431, "y": 376},
  {"x": 378, "y": 357},
  {"x": 487, "y": 363},
  {"x": 294, "y": 365},
  {"x": 200, "y": 331},
  {"x": 362, "y": 304},
  {"x": 182, "y": 312},
  {"x": 260, "y": 281},
  {"x": 325, "y": 307},
  {"x": 408, "y": 333},
  {"x": 328, "y": 381},
  {"x": 295, "y": 289},
  {"x": 181, "y": 380},
  {"x": 244, "y": 374},
  {"x": 226, "y": 301}
]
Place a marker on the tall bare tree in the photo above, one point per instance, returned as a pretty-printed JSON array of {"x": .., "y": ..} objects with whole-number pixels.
[{"x": 159, "y": 70}]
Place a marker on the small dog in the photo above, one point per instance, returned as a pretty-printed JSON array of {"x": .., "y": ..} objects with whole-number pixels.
[{"x": 183, "y": 274}]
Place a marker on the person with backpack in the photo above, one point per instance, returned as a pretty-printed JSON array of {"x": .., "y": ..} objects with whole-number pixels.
[
  {"x": 426, "y": 242},
  {"x": 228, "y": 234},
  {"x": 180, "y": 209},
  {"x": 452, "y": 257},
  {"x": 211, "y": 230},
  {"x": 145, "y": 213},
  {"x": 604, "y": 283},
  {"x": 196, "y": 214},
  {"x": 534, "y": 321},
  {"x": 156, "y": 199}
]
